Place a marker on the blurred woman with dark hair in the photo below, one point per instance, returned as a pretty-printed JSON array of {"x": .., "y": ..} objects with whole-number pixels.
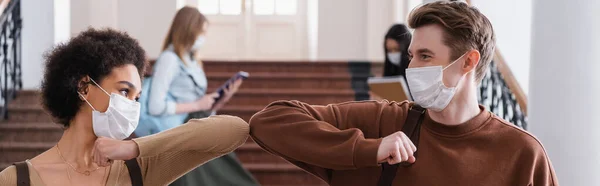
[{"x": 396, "y": 45}]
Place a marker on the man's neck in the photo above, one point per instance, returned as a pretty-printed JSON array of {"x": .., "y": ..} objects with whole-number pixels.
[{"x": 463, "y": 107}]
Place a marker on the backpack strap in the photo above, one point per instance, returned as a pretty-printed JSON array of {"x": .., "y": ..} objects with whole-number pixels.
[
  {"x": 412, "y": 128},
  {"x": 22, "y": 174},
  {"x": 135, "y": 173}
]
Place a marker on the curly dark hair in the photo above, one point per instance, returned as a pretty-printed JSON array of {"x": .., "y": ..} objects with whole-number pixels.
[{"x": 92, "y": 53}]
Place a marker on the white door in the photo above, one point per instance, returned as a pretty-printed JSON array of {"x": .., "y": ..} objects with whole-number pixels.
[{"x": 255, "y": 29}]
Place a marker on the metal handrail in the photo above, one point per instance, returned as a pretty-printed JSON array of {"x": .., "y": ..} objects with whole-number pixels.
[{"x": 11, "y": 79}]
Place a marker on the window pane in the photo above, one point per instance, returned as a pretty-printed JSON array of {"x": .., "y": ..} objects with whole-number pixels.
[
  {"x": 231, "y": 7},
  {"x": 285, "y": 7},
  {"x": 264, "y": 7},
  {"x": 208, "y": 6}
]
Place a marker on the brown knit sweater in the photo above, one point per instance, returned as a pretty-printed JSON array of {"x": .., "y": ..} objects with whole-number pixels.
[
  {"x": 168, "y": 155},
  {"x": 339, "y": 143}
]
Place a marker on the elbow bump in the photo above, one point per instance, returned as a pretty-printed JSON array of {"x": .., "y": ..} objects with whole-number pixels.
[{"x": 237, "y": 128}]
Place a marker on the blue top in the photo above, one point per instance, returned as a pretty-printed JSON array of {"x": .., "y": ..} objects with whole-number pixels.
[{"x": 184, "y": 82}]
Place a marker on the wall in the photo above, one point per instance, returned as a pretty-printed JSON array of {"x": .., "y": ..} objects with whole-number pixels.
[
  {"x": 353, "y": 32},
  {"x": 80, "y": 16},
  {"x": 149, "y": 24},
  {"x": 62, "y": 20},
  {"x": 380, "y": 17},
  {"x": 38, "y": 36},
  {"x": 511, "y": 20},
  {"x": 565, "y": 85},
  {"x": 342, "y": 30},
  {"x": 147, "y": 21}
]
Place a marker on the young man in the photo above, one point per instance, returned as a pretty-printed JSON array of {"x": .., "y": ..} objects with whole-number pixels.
[{"x": 460, "y": 143}]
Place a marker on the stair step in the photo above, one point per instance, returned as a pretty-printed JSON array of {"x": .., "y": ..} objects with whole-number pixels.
[
  {"x": 286, "y": 81},
  {"x": 27, "y": 113},
  {"x": 4, "y": 165},
  {"x": 19, "y": 151},
  {"x": 274, "y": 66},
  {"x": 263, "y": 97},
  {"x": 244, "y": 112},
  {"x": 278, "y": 174},
  {"x": 30, "y": 132}
]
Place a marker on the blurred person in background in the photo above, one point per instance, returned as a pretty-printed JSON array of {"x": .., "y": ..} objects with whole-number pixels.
[
  {"x": 176, "y": 92},
  {"x": 396, "y": 45}
]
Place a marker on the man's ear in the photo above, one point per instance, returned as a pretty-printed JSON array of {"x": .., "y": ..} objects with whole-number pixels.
[
  {"x": 83, "y": 86},
  {"x": 471, "y": 60}
]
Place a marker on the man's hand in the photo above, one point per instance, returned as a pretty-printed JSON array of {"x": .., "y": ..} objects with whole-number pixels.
[
  {"x": 107, "y": 149},
  {"x": 396, "y": 148}
]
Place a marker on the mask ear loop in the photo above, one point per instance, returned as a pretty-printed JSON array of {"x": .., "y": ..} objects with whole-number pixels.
[
  {"x": 450, "y": 63},
  {"x": 100, "y": 87},
  {"x": 86, "y": 101},
  {"x": 462, "y": 77}
]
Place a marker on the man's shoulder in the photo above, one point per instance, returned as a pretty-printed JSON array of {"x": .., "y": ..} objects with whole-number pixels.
[{"x": 516, "y": 136}]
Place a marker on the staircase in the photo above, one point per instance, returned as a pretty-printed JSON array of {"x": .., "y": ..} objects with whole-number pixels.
[{"x": 29, "y": 130}]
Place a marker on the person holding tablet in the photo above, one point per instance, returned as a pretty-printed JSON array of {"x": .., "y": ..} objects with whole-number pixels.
[{"x": 177, "y": 93}]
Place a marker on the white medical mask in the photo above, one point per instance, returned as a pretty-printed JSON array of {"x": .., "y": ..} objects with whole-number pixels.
[
  {"x": 428, "y": 89},
  {"x": 198, "y": 43},
  {"x": 395, "y": 58},
  {"x": 120, "y": 119}
]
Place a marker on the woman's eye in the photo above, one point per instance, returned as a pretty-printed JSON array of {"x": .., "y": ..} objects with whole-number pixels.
[
  {"x": 425, "y": 57},
  {"x": 124, "y": 92}
]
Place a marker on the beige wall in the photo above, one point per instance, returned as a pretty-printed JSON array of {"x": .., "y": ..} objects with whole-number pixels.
[
  {"x": 342, "y": 30},
  {"x": 347, "y": 29},
  {"x": 354, "y": 29},
  {"x": 511, "y": 20},
  {"x": 149, "y": 24},
  {"x": 147, "y": 21},
  {"x": 37, "y": 37},
  {"x": 565, "y": 85}
]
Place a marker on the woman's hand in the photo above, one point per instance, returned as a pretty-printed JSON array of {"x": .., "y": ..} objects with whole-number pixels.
[
  {"x": 107, "y": 149},
  {"x": 229, "y": 92},
  {"x": 206, "y": 102}
]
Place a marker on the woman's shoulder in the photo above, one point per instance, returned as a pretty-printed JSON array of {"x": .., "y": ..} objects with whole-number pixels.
[
  {"x": 8, "y": 176},
  {"x": 168, "y": 55},
  {"x": 168, "y": 60}
]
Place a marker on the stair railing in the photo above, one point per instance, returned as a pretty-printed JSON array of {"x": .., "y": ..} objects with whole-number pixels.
[
  {"x": 10, "y": 53},
  {"x": 500, "y": 92}
]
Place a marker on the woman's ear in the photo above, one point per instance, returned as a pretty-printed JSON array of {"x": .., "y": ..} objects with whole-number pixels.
[{"x": 83, "y": 86}]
